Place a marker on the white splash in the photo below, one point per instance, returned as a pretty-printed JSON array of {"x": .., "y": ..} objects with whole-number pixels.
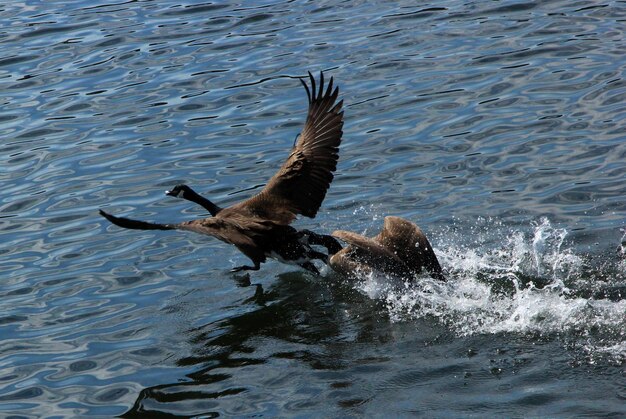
[{"x": 520, "y": 287}]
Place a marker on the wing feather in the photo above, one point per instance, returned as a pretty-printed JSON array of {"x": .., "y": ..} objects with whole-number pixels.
[
  {"x": 371, "y": 246},
  {"x": 227, "y": 230},
  {"x": 299, "y": 187}
]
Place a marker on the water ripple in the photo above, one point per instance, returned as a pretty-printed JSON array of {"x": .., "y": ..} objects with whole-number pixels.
[{"x": 455, "y": 113}]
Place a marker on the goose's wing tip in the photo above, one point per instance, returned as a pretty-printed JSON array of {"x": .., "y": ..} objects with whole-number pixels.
[{"x": 300, "y": 185}]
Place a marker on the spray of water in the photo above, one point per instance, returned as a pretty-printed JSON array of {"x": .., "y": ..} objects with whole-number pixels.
[{"x": 530, "y": 284}]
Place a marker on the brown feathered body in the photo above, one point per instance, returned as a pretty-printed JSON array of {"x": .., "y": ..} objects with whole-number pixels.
[
  {"x": 257, "y": 238},
  {"x": 400, "y": 249}
]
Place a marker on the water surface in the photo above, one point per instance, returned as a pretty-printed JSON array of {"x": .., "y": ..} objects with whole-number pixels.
[{"x": 498, "y": 127}]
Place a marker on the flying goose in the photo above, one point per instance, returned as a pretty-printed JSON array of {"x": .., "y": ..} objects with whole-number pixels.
[
  {"x": 185, "y": 192},
  {"x": 401, "y": 249},
  {"x": 259, "y": 226}
]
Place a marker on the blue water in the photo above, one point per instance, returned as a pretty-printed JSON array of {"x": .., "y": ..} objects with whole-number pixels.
[{"x": 498, "y": 127}]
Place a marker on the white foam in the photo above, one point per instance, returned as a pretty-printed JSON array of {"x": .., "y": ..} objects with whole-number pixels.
[{"x": 520, "y": 287}]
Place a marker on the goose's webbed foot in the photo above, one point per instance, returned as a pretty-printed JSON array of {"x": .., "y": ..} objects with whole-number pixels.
[{"x": 246, "y": 268}]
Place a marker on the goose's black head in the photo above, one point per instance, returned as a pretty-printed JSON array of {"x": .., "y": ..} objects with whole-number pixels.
[{"x": 179, "y": 191}]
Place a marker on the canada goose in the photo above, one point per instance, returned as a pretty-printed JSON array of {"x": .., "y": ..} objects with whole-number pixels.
[
  {"x": 401, "y": 248},
  {"x": 185, "y": 192},
  {"x": 259, "y": 226}
]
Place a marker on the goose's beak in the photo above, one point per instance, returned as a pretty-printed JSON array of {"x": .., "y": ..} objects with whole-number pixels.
[{"x": 175, "y": 194}]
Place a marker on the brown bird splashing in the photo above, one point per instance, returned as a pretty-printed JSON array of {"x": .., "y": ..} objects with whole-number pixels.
[{"x": 400, "y": 249}]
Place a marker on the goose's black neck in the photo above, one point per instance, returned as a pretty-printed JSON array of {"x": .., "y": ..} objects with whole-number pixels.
[{"x": 192, "y": 196}]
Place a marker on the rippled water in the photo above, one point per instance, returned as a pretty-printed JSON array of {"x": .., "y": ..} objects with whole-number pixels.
[{"x": 498, "y": 127}]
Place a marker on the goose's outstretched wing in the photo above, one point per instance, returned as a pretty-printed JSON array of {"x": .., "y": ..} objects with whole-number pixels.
[
  {"x": 367, "y": 252},
  {"x": 373, "y": 248},
  {"x": 230, "y": 232},
  {"x": 136, "y": 224},
  {"x": 299, "y": 187}
]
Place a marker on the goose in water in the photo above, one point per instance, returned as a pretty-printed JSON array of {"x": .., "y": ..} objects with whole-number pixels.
[
  {"x": 260, "y": 226},
  {"x": 400, "y": 249}
]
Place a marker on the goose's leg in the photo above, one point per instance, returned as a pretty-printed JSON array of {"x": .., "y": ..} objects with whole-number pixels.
[{"x": 254, "y": 255}]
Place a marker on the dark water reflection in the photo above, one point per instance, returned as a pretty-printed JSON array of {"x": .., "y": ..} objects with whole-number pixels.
[{"x": 497, "y": 126}]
